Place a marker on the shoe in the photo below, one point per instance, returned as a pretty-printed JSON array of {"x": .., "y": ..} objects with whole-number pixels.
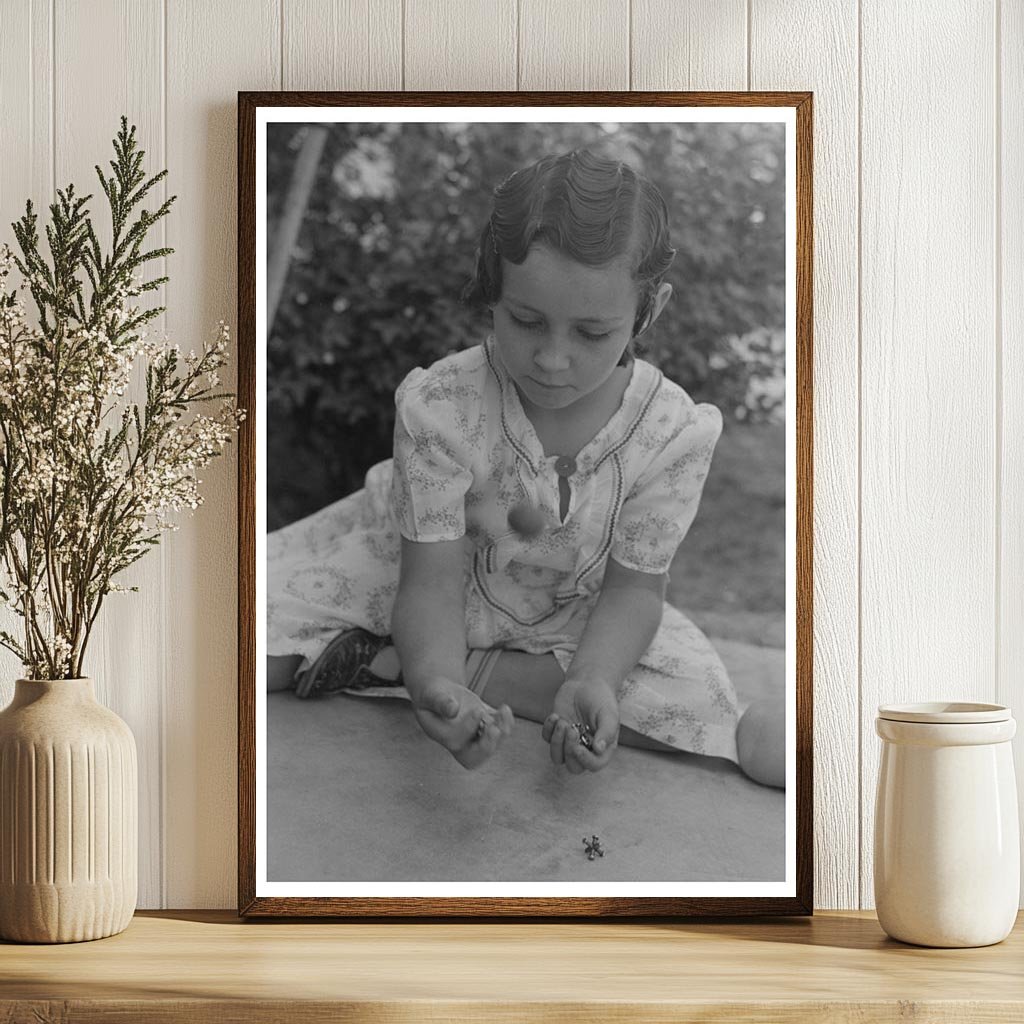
[{"x": 345, "y": 665}]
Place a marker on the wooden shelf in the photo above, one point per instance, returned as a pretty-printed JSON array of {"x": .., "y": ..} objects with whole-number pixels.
[{"x": 201, "y": 966}]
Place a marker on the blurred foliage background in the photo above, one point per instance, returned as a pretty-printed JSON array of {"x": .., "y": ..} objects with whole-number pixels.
[{"x": 388, "y": 242}]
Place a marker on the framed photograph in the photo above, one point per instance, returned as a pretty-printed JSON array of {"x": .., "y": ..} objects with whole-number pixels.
[{"x": 525, "y": 499}]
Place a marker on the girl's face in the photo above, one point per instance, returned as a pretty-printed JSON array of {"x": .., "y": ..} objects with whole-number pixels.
[{"x": 561, "y": 326}]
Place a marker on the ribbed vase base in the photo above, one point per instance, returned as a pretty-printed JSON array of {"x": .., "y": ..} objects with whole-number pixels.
[
  {"x": 68, "y": 815},
  {"x": 63, "y": 913}
]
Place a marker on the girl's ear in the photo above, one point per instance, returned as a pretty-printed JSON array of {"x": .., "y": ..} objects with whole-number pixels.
[{"x": 658, "y": 303}]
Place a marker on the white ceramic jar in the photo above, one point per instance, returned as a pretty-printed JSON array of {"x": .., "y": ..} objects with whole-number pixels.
[{"x": 947, "y": 847}]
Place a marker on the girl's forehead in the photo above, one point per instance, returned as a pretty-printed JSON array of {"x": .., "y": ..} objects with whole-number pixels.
[{"x": 550, "y": 281}]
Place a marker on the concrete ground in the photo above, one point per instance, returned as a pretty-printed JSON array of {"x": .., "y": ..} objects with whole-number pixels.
[{"x": 356, "y": 792}]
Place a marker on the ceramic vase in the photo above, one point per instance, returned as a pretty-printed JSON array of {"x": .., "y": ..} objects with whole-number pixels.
[
  {"x": 68, "y": 815},
  {"x": 947, "y": 847}
]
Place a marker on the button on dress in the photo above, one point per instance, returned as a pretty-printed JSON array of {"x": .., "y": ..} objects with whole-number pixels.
[{"x": 465, "y": 454}]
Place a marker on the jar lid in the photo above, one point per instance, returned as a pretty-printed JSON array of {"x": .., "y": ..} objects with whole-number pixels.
[{"x": 945, "y": 712}]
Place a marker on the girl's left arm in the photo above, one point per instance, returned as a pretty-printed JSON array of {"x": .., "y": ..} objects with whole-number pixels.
[
  {"x": 653, "y": 519},
  {"x": 621, "y": 626}
]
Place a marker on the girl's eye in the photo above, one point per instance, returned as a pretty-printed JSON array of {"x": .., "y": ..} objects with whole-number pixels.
[
  {"x": 530, "y": 325},
  {"x": 535, "y": 325}
]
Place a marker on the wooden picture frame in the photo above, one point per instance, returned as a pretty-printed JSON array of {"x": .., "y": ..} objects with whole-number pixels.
[{"x": 260, "y": 896}]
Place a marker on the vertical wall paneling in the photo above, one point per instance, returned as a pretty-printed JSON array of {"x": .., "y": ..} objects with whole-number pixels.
[
  {"x": 1010, "y": 176},
  {"x": 26, "y": 69},
  {"x": 694, "y": 45},
  {"x": 468, "y": 45},
  {"x": 928, "y": 363},
  {"x": 574, "y": 44},
  {"x": 213, "y": 51},
  {"x": 17, "y": 59},
  {"x": 122, "y": 656},
  {"x": 342, "y": 44},
  {"x": 800, "y": 45},
  {"x": 26, "y": 169}
]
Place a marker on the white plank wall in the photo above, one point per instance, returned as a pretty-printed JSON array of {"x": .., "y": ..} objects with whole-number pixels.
[
  {"x": 1009, "y": 258},
  {"x": 919, "y": 316},
  {"x": 26, "y": 157},
  {"x": 26, "y": 108},
  {"x": 126, "y": 642},
  {"x": 928, "y": 515},
  {"x": 699, "y": 45},
  {"x": 342, "y": 44},
  {"x": 782, "y": 59},
  {"x": 574, "y": 44},
  {"x": 228, "y": 46},
  {"x": 466, "y": 45}
]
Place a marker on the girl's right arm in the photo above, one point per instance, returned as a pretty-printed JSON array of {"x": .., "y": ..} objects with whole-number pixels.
[
  {"x": 428, "y": 628},
  {"x": 428, "y": 623}
]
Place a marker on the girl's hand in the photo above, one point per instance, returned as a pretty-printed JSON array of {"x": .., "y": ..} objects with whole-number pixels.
[
  {"x": 593, "y": 704},
  {"x": 469, "y": 729}
]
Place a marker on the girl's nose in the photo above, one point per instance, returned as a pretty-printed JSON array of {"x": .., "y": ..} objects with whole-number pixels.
[{"x": 552, "y": 355}]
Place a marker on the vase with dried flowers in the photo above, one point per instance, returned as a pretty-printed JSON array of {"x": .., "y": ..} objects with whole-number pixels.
[{"x": 89, "y": 478}]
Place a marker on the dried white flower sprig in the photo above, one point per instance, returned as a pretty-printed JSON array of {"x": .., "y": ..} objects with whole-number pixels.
[{"x": 88, "y": 480}]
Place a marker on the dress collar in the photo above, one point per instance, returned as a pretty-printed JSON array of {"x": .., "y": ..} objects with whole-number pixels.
[{"x": 519, "y": 432}]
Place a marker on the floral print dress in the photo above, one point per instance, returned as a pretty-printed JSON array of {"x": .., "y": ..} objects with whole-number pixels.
[{"x": 465, "y": 453}]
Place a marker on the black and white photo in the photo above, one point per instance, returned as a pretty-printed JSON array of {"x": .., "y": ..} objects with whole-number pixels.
[{"x": 525, "y": 504}]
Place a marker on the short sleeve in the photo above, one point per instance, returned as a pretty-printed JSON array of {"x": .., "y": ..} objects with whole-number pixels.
[
  {"x": 662, "y": 503},
  {"x": 432, "y": 459}
]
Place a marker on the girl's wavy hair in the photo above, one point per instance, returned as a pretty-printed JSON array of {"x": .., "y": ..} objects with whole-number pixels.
[{"x": 588, "y": 207}]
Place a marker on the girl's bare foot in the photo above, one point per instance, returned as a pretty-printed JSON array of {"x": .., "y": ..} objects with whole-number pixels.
[
  {"x": 761, "y": 742},
  {"x": 281, "y": 671}
]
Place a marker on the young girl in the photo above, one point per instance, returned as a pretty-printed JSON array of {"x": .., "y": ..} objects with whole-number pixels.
[{"x": 512, "y": 558}]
